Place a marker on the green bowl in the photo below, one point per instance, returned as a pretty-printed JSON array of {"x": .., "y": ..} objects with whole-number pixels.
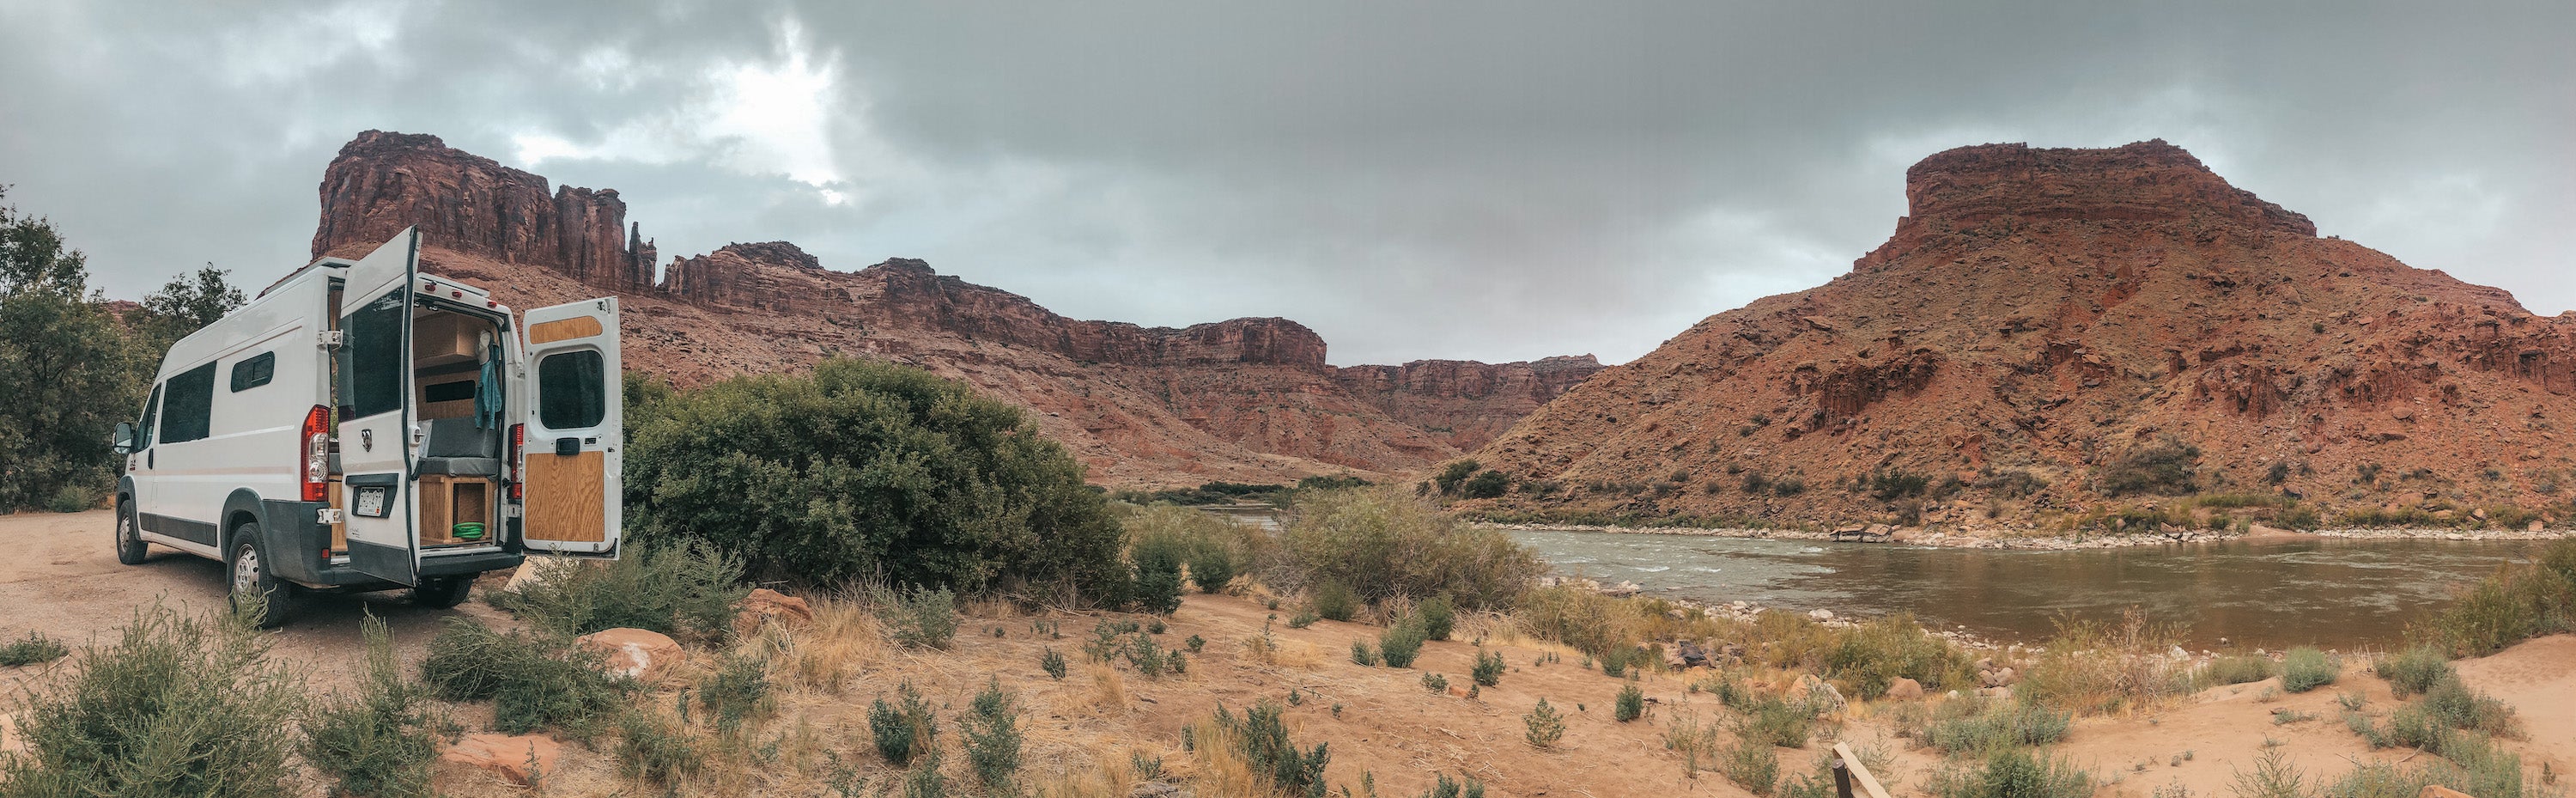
[{"x": 470, "y": 530}]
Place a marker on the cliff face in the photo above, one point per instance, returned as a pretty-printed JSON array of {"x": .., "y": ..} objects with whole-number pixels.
[
  {"x": 1245, "y": 400},
  {"x": 2039, "y": 313}
]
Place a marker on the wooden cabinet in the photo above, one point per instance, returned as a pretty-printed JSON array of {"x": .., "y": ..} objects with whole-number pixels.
[{"x": 446, "y": 501}]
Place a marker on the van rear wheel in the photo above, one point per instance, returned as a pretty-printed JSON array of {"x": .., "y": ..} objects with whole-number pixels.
[
  {"x": 253, "y": 582},
  {"x": 442, "y": 593},
  {"x": 129, "y": 536}
]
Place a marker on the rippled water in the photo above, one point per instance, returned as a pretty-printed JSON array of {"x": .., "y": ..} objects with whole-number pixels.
[{"x": 2335, "y": 593}]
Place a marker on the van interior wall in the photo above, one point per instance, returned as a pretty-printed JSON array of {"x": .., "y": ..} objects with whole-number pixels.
[{"x": 460, "y": 479}]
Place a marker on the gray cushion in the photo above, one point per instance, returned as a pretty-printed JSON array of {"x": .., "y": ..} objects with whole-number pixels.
[
  {"x": 458, "y": 437},
  {"x": 462, "y": 466}
]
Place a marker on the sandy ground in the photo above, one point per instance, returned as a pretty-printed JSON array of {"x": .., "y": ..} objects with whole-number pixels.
[{"x": 64, "y": 580}]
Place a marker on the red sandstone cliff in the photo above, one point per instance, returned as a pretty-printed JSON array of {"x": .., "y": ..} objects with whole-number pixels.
[
  {"x": 1246, "y": 400},
  {"x": 2042, "y": 312}
]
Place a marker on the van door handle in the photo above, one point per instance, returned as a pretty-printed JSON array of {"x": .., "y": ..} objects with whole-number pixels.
[{"x": 567, "y": 446}]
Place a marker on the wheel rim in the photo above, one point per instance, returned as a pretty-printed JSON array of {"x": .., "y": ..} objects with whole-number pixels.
[
  {"x": 246, "y": 571},
  {"x": 125, "y": 528}
]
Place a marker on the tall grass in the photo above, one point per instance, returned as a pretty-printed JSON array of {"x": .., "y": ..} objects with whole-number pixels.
[
  {"x": 2098, "y": 667},
  {"x": 2515, "y": 604}
]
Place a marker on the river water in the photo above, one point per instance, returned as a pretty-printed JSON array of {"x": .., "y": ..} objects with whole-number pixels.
[{"x": 2330, "y": 592}]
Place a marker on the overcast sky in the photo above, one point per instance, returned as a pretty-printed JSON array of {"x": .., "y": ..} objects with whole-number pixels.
[{"x": 1487, "y": 180}]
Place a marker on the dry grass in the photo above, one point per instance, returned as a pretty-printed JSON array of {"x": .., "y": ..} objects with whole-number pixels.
[{"x": 844, "y": 639}]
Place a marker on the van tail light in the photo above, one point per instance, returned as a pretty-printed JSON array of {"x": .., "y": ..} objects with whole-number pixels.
[
  {"x": 518, "y": 461},
  {"x": 316, "y": 445}
]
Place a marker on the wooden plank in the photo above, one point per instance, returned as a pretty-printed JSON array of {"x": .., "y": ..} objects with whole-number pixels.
[
  {"x": 339, "y": 531},
  {"x": 1860, "y": 774},
  {"x": 563, "y": 330},
  {"x": 437, "y": 501},
  {"x": 564, "y": 501}
]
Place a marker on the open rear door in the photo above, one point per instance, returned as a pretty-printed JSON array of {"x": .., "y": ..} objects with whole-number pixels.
[
  {"x": 377, "y": 420},
  {"x": 576, "y": 430}
]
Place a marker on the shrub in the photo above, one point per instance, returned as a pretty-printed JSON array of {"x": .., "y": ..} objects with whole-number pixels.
[
  {"x": 1303, "y": 619},
  {"x": 1381, "y": 545},
  {"x": 737, "y": 691},
  {"x": 2272, "y": 777},
  {"x": 921, "y": 618},
  {"x": 2234, "y": 669},
  {"x": 1362, "y": 655},
  {"x": 1146, "y": 656},
  {"x": 1262, "y": 739},
  {"x": 903, "y": 732},
  {"x": 1977, "y": 727},
  {"x": 687, "y": 592},
  {"x": 1453, "y": 475},
  {"x": 1775, "y": 721},
  {"x": 72, "y": 499},
  {"x": 1614, "y": 662},
  {"x": 2515, "y": 604},
  {"x": 533, "y": 680},
  {"x": 2161, "y": 467},
  {"x": 1489, "y": 668},
  {"x": 2451, "y": 703},
  {"x": 1439, "y": 616},
  {"x": 993, "y": 736},
  {"x": 1157, "y": 584},
  {"x": 1751, "y": 764},
  {"x": 1435, "y": 682},
  {"x": 381, "y": 741},
  {"x": 32, "y": 649},
  {"x": 1486, "y": 485},
  {"x": 1631, "y": 705},
  {"x": 2412, "y": 671},
  {"x": 1052, "y": 663},
  {"x": 651, "y": 748},
  {"x": 1867, "y": 658},
  {"x": 2305, "y": 668},
  {"x": 1545, "y": 726},
  {"x": 161, "y": 713},
  {"x": 1400, "y": 643},
  {"x": 2012, "y": 773},
  {"x": 1213, "y": 566},
  {"x": 864, "y": 470},
  {"x": 1334, "y": 600}
]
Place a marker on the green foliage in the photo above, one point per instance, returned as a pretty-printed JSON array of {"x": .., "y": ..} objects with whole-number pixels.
[
  {"x": 866, "y": 470},
  {"x": 186, "y": 304},
  {"x": 1489, "y": 668},
  {"x": 69, "y": 370},
  {"x": 32, "y": 649},
  {"x": 2414, "y": 670},
  {"x": 1052, "y": 663},
  {"x": 1362, "y": 655},
  {"x": 1262, "y": 738},
  {"x": 737, "y": 691},
  {"x": 2272, "y": 777},
  {"x": 1214, "y": 493},
  {"x": 920, "y": 618},
  {"x": 1772, "y": 720},
  {"x": 687, "y": 592},
  {"x": 903, "y": 732},
  {"x": 992, "y": 728},
  {"x": 1335, "y": 600},
  {"x": 1158, "y": 559},
  {"x": 160, "y": 714},
  {"x": 381, "y": 741},
  {"x": 1631, "y": 704},
  {"x": 533, "y": 680},
  {"x": 1866, "y": 659},
  {"x": 2450, "y": 702},
  {"x": 2012, "y": 773},
  {"x": 1893, "y": 485},
  {"x": 2234, "y": 669},
  {"x": 1145, "y": 655},
  {"x": 2161, "y": 467},
  {"x": 1435, "y": 682},
  {"x": 1381, "y": 545},
  {"x": 654, "y": 749},
  {"x": 1544, "y": 726},
  {"x": 1304, "y": 618},
  {"x": 1752, "y": 764},
  {"x": 1486, "y": 485},
  {"x": 1985, "y": 726},
  {"x": 1213, "y": 566},
  {"x": 1453, "y": 475},
  {"x": 1442, "y": 787},
  {"x": 1439, "y": 616},
  {"x": 2305, "y": 668},
  {"x": 2516, "y": 604},
  {"x": 1400, "y": 643}
]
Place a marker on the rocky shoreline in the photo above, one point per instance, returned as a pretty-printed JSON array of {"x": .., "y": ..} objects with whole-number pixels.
[{"x": 1980, "y": 539}]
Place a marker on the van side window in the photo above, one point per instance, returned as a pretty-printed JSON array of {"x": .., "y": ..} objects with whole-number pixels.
[
  {"x": 376, "y": 356},
  {"x": 151, "y": 410},
  {"x": 571, "y": 390},
  {"x": 189, "y": 408},
  {"x": 254, "y": 372}
]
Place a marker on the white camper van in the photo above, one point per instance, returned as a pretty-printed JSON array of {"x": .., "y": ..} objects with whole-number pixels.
[{"x": 364, "y": 426}]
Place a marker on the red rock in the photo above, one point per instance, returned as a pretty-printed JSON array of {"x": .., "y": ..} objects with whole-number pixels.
[
  {"x": 638, "y": 654},
  {"x": 1904, "y": 688},
  {"x": 769, "y": 606},
  {"x": 383, "y": 182},
  {"x": 522, "y": 759}
]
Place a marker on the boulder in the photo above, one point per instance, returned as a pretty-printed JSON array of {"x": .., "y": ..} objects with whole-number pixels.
[
  {"x": 1691, "y": 653},
  {"x": 769, "y": 606},
  {"x": 1904, "y": 688},
  {"x": 638, "y": 654},
  {"x": 522, "y": 759}
]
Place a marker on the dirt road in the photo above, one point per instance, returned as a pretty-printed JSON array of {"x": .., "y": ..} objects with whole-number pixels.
[{"x": 61, "y": 577}]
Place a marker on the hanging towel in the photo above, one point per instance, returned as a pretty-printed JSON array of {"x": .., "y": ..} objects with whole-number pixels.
[{"x": 487, "y": 391}]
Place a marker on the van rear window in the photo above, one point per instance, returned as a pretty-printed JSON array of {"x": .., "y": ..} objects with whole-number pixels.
[
  {"x": 572, "y": 390},
  {"x": 376, "y": 356},
  {"x": 189, "y": 408},
  {"x": 255, "y": 371}
]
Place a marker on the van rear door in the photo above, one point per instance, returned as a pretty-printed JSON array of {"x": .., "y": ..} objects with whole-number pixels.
[
  {"x": 576, "y": 431},
  {"x": 376, "y": 421}
]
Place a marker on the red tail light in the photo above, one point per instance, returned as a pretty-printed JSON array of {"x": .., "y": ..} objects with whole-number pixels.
[
  {"x": 518, "y": 461},
  {"x": 316, "y": 449}
]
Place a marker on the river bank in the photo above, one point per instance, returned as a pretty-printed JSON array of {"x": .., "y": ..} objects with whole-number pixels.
[{"x": 1981, "y": 539}]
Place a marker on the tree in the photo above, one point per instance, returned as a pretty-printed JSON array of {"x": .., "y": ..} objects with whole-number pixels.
[
  {"x": 68, "y": 368},
  {"x": 186, "y": 304},
  {"x": 1454, "y": 474},
  {"x": 1486, "y": 485}
]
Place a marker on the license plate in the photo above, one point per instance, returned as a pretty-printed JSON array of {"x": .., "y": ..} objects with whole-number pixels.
[{"x": 371, "y": 501}]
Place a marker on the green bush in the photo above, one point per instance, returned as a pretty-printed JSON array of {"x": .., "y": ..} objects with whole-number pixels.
[
  {"x": 1454, "y": 475},
  {"x": 32, "y": 649},
  {"x": 2161, "y": 467},
  {"x": 1866, "y": 659},
  {"x": 1544, "y": 726},
  {"x": 1213, "y": 565},
  {"x": 1486, "y": 485},
  {"x": 653, "y": 749},
  {"x": 1774, "y": 721},
  {"x": 1439, "y": 616},
  {"x": 1435, "y": 682},
  {"x": 1489, "y": 668},
  {"x": 866, "y": 470},
  {"x": 2234, "y": 669},
  {"x": 902, "y": 732},
  {"x": 2516, "y": 604},
  {"x": 1362, "y": 655},
  {"x": 992, "y": 728},
  {"x": 533, "y": 680},
  {"x": 1157, "y": 583},
  {"x": 1751, "y": 764},
  {"x": 69, "y": 368},
  {"x": 1303, "y": 619},
  {"x": 381, "y": 741},
  {"x": 1399, "y": 644},
  {"x": 1335, "y": 600},
  {"x": 2451, "y": 703},
  {"x": 1262, "y": 738},
  {"x": 687, "y": 592},
  {"x": 1984, "y": 726},
  {"x": 1053, "y": 663},
  {"x": 161, "y": 714},
  {"x": 2412, "y": 671},
  {"x": 72, "y": 499},
  {"x": 1631, "y": 704},
  {"x": 921, "y": 618},
  {"x": 737, "y": 691},
  {"x": 1382, "y": 545},
  {"x": 2013, "y": 773},
  {"x": 2305, "y": 668}
]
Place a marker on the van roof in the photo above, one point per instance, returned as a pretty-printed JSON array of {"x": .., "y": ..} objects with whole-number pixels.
[{"x": 318, "y": 263}]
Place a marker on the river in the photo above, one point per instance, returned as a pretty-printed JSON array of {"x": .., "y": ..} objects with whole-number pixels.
[{"x": 2327, "y": 592}]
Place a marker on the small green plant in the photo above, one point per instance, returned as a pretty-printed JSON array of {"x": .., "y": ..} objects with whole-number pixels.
[
  {"x": 903, "y": 731},
  {"x": 1262, "y": 738},
  {"x": 1146, "y": 656},
  {"x": 1196, "y": 642},
  {"x": 32, "y": 649},
  {"x": 2272, "y": 777},
  {"x": 1212, "y": 566},
  {"x": 1053, "y": 663},
  {"x": 2283, "y": 716},
  {"x": 653, "y": 749},
  {"x": 1303, "y": 619},
  {"x": 922, "y": 618},
  {"x": 1156, "y": 626},
  {"x": 2305, "y": 668},
  {"x": 1489, "y": 668},
  {"x": 2451, "y": 703},
  {"x": 1439, "y": 616},
  {"x": 1335, "y": 601},
  {"x": 1174, "y": 662},
  {"x": 687, "y": 592},
  {"x": 1751, "y": 764},
  {"x": 534, "y": 681},
  {"x": 380, "y": 741},
  {"x": 1399, "y": 644},
  {"x": 1696, "y": 740},
  {"x": 1979, "y": 727},
  {"x": 1362, "y": 655},
  {"x": 2412, "y": 671},
  {"x": 2350, "y": 702},
  {"x": 161, "y": 713},
  {"x": 1614, "y": 662},
  {"x": 1435, "y": 682},
  {"x": 737, "y": 691},
  {"x": 2012, "y": 773},
  {"x": 993, "y": 736},
  {"x": 2234, "y": 669},
  {"x": 1632, "y": 704},
  {"x": 1545, "y": 726}
]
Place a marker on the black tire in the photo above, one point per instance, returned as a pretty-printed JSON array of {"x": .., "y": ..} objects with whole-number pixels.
[
  {"x": 130, "y": 548},
  {"x": 248, "y": 575},
  {"x": 442, "y": 593}
]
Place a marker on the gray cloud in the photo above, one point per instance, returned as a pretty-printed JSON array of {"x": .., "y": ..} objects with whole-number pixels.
[{"x": 1489, "y": 180}]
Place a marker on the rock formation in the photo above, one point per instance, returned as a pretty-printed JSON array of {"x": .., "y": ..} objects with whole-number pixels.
[
  {"x": 2041, "y": 313},
  {"x": 1245, "y": 400}
]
